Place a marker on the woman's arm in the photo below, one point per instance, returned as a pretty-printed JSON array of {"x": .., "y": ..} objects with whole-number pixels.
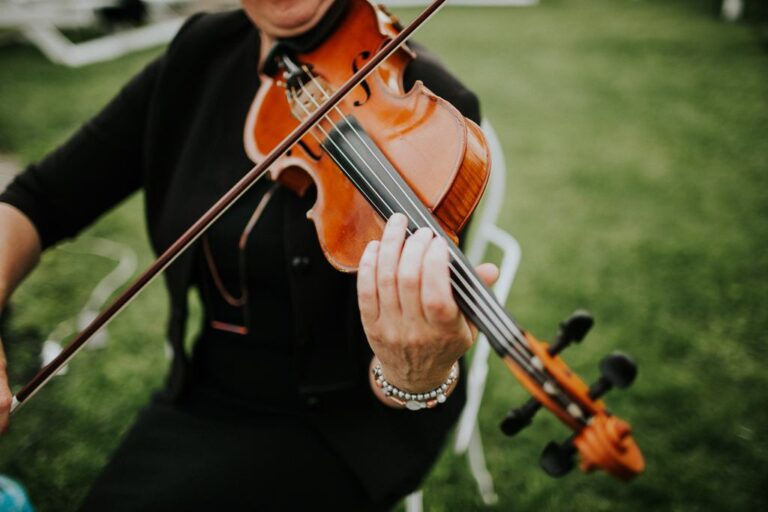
[{"x": 19, "y": 253}]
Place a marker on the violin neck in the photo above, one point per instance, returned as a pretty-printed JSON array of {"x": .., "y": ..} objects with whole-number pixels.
[
  {"x": 481, "y": 306},
  {"x": 364, "y": 164}
]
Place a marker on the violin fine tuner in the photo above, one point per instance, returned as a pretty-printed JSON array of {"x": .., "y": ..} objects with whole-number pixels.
[{"x": 617, "y": 370}]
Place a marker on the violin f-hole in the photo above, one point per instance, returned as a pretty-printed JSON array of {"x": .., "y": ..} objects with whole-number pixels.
[
  {"x": 314, "y": 156},
  {"x": 362, "y": 56}
]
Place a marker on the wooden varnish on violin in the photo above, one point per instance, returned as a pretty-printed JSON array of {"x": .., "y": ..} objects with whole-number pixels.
[{"x": 442, "y": 156}]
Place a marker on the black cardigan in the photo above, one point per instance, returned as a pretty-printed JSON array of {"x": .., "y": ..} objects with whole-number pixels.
[{"x": 175, "y": 131}]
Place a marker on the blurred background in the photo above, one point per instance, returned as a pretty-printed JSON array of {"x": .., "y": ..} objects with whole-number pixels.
[{"x": 635, "y": 136}]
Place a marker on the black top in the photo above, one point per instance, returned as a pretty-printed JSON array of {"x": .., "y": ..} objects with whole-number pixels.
[
  {"x": 175, "y": 131},
  {"x": 244, "y": 355}
]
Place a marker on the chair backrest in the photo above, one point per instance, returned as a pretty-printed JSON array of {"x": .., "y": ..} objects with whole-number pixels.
[{"x": 487, "y": 233}]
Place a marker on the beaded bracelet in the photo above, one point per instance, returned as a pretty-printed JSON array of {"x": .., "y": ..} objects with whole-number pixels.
[{"x": 416, "y": 401}]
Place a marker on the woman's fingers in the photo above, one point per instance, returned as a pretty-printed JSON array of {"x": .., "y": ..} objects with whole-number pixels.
[
  {"x": 488, "y": 272},
  {"x": 409, "y": 273},
  {"x": 388, "y": 259},
  {"x": 367, "y": 295},
  {"x": 436, "y": 296}
]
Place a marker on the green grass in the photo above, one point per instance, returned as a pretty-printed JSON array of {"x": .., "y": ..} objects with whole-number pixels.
[{"x": 635, "y": 134}]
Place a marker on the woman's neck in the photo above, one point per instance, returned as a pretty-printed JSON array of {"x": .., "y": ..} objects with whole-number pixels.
[{"x": 266, "y": 44}]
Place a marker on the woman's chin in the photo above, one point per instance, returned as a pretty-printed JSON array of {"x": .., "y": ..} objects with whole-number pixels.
[{"x": 286, "y": 17}]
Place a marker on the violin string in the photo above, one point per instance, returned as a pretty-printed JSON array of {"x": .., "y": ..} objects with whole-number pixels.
[
  {"x": 516, "y": 349},
  {"x": 513, "y": 350},
  {"x": 325, "y": 133},
  {"x": 474, "y": 305},
  {"x": 427, "y": 218},
  {"x": 548, "y": 385},
  {"x": 513, "y": 329},
  {"x": 391, "y": 211}
]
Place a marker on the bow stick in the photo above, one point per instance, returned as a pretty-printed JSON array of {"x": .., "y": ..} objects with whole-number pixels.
[{"x": 194, "y": 232}]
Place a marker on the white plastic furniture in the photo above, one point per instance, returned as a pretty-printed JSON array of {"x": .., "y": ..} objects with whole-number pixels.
[{"x": 41, "y": 22}]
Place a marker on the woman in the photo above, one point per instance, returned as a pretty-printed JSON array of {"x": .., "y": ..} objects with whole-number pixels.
[{"x": 276, "y": 406}]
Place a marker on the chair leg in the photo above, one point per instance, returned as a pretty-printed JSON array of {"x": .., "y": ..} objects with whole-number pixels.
[
  {"x": 479, "y": 469},
  {"x": 414, "y": 501}
]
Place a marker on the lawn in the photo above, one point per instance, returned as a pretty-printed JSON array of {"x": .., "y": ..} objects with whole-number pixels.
[{"x": 635, "y": 135}]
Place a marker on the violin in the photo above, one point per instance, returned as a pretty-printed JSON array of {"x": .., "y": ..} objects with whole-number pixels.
[
  {"x": 384, "y": 150},
  {"x": 337, "y": 117}
]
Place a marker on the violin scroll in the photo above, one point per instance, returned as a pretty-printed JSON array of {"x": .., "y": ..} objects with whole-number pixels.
[{"x": 602, "y": 440}]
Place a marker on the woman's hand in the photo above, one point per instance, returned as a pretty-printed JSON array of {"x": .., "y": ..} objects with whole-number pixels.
[
  {"x": 411, "y": 319},
  {"x": 5, "y": 393}
]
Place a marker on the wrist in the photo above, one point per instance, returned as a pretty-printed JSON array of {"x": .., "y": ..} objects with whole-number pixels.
[
  {"x": 412, "y": 381},
  {"x": 376, "y": 389},
  {"x": 411, "y": 398}
]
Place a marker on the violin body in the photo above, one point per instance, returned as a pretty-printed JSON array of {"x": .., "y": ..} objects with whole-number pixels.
[{"x": 441, "y": 155}]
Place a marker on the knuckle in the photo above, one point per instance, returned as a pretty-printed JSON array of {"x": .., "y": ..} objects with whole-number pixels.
[
  {"x": 440, "y": 308},
  {"x": 424, "y": 232},
  {"x": 364, "y": 267},
  {"x": 373, "y": 335},
  {"x": 413, "y": 339},
  {"x": 419, "y": 239},
  {"x": 385, "y": 334},
  {"x": 365, "y": 295},
  {"x": 392, "y": 231},
  {"x": 409, "y": 279},
  {"x": 387, "y": 278}
]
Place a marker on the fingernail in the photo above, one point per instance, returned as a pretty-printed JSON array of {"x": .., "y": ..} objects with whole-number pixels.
[
  {"x": 371, "y": 247},
  {"x": 398, "y": 219},
  {"x": 423, "y": 232}
]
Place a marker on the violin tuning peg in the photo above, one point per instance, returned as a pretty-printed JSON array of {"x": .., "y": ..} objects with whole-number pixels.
[
  {"x": 517, "y": 419},
  {"x": 619, "y": 368},
  {"x": 617, "y": 371},
  {"x": 557, "y": 459},
  {"x": 572, "y": 329}
]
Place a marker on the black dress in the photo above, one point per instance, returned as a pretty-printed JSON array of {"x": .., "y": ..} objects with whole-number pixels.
[
  {"x": 280, "y": 418},
  {"x": 240, "y": 439}
]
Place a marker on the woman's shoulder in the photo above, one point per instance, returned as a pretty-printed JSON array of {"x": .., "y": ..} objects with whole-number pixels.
[{"x": 210, "y": 31}]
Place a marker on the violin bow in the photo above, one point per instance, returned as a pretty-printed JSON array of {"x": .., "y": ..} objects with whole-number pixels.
[{"x": 200, "y": 226}]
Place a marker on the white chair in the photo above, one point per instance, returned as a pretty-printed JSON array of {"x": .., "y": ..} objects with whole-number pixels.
[
  {"x": 41, "y": 21},
  {"x": 486, "y": 233}
]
